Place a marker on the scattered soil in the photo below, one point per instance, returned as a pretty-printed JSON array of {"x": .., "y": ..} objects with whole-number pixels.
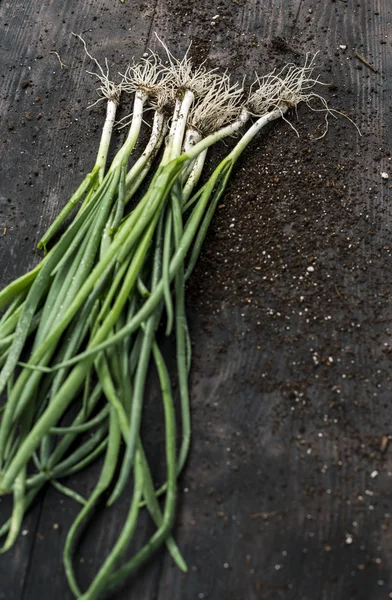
[{"x": 287, "y": 492}]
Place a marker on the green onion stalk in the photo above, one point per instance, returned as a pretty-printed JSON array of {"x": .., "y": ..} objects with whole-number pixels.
[{"x": 111, "y": 93}]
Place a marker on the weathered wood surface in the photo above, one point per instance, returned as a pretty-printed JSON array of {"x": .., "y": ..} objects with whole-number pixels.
[{"x": 281, "y": 502}]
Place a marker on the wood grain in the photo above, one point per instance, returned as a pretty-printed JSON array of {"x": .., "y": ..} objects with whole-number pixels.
[{"x": 277, "y": 501}]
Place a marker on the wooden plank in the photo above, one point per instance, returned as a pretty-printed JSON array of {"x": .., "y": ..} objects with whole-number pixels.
[{"x": 279, "y": 500}]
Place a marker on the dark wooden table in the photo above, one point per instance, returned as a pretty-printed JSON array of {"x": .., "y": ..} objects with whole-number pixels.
[{"x": 288, "y": 490}]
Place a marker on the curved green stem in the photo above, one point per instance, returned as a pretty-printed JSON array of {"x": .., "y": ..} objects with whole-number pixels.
[
  {"x": 170, "y": 501},
  {"x": 105, "y": 478}
]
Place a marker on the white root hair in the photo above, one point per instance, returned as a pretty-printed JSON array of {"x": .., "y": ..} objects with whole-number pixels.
[
  {"x": 108, "y": 89},
  {"x": 287, "y": 88},
  {"x": 151, "y": 77},
  {"x": 185, "y": 76},
  {"x": 218, "y": 107}
]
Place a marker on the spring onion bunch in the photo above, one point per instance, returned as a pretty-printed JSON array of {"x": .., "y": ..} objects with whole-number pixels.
[{"x": 79, "y": 332}]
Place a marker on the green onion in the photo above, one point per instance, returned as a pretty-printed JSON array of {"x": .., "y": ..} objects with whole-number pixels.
[{"x": 80, "y": 330}]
